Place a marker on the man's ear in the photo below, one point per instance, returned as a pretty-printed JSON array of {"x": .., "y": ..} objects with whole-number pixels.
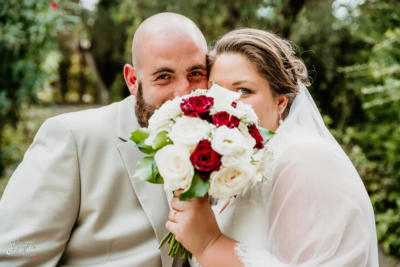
[{"x": 130, "y": 75}]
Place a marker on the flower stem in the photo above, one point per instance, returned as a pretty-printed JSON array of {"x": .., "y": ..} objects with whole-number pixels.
[{"x": 174, "y": 247}]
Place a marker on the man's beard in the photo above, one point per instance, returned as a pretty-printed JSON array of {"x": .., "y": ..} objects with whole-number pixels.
[{"x": 143, "y": 109}]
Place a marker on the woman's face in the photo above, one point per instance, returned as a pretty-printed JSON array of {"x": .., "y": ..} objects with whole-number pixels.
[{"x": 235, "y": 72}]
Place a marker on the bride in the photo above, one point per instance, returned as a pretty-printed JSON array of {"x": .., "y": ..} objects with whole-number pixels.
[{"x": 314, "y": 209}]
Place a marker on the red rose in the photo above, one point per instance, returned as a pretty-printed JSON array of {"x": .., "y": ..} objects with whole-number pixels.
[
  {"x": 198, "y": 106},
  {"x": 234, "y": 104},
  {"x": 53, "y": 5},
  {"x": 224, "y": 118},
  {"x": 205, "y": 160},
  {"x": 257, "y": 136}
]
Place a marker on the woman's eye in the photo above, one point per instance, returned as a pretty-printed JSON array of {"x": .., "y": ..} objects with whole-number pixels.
[{"x": 243, "y": 91}]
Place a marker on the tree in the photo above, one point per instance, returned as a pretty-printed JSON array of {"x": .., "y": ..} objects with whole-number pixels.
[
  {"x": 30, "y": 56},
  {"x": 373, "y": 142}
]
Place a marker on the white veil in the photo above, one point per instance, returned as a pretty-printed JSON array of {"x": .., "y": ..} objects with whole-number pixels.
[
  {"x": 304, "y": 125},
  {"x": 304, "y": 115}
]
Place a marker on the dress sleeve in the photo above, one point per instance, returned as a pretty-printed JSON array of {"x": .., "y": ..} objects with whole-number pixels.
[{"x": 319, "y": 212}]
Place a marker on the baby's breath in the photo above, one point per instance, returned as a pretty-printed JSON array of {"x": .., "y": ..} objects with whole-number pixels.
[{"x": 197, "y": 92}]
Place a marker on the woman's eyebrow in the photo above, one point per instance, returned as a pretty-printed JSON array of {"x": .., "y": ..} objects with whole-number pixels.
[{"x": 242, "y": 81}]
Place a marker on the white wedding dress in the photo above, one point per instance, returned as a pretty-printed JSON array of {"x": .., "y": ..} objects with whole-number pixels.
[{"x": 313, "y": 211}]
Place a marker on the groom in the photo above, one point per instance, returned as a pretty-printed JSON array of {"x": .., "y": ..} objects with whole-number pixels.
[{"x": 73, "y": 200}]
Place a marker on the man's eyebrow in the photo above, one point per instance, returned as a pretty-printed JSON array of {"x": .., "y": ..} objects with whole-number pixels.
[
  {"x": 159, "y": 70},
  {"x": 241, "y": 81},
  {"x": 196, "y": 67}
]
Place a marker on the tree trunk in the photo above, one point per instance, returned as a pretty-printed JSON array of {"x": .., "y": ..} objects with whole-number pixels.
[
  {"x": 63, "y": 71},
  {"x": 82, "y": 79},
  {"x": 344, "y": 112},
  {"x": 290, "y": 11},
  {"x": 100, "y": 86},
  {"x": 233, "y": 17}
]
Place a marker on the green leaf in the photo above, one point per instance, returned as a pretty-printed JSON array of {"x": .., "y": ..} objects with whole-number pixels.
[
  {"x": 146, "y": 149},
  {"x": 140, "y": 135},
  {"x": 161, "y": 140},
  {"x": 157, "y": 178},
  {"x": 198, "y": 188},
  {"x": 147, "y": 170},
  {"x": 266, "y": 134},
  {"x": 144, "y": 170},
  {"x": 253, "y": 160}
]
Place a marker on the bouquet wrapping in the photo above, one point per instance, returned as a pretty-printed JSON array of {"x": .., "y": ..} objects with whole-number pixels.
[{"x": 206, "y": 144}]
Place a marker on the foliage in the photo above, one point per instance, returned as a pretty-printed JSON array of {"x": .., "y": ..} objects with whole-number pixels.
[
  {"x": 16, "y": 140},
  {"x": 373, "y": 142},
  {"x": 28, "y": 46}
]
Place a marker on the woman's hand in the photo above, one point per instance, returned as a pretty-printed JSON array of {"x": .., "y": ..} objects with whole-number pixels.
[{"x": 194, "y": 224}]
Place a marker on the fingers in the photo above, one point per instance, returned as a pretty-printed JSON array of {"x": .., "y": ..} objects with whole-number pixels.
[
  {"x": 178, "y": 205},
  {"x": 172, "y": 227},
  {"x": 178, "y": 192},
  {"x": 172, "y": 216}
]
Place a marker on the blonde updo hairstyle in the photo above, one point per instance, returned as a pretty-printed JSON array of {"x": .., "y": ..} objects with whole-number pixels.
[{"x": 272, "y": 56}]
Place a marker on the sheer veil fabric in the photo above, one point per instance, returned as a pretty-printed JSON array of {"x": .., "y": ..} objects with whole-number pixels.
[{"x": 313, "y": 211}]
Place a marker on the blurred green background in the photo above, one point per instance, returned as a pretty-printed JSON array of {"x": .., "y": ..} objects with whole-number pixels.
[{"x": 64, "y": 56}]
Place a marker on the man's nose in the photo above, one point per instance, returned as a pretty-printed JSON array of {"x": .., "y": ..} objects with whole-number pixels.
[{"x": 182, "y": 88}]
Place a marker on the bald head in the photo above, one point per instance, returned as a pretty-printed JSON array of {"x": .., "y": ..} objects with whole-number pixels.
[
  {"x": 168, "y": 29},
  {"x": 169, "y": 60}
]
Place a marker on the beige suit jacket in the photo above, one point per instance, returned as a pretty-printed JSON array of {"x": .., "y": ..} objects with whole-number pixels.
[{"x": 73, "y": 200}]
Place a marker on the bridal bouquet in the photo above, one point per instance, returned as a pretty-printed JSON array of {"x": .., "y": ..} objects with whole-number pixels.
[{"x": 203, "y": 143}]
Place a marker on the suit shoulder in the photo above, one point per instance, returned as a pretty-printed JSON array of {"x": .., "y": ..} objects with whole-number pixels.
[
  {"x": 90, "y": 117},
  {"x": 96, "y": 124},
  {"x": 88, "y": 124}
]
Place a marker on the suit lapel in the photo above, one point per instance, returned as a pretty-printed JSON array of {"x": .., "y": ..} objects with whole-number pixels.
[{"x": 151, "y": 196}]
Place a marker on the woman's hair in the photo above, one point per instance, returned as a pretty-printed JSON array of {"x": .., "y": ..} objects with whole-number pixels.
[{"x": 272, "y": 56}]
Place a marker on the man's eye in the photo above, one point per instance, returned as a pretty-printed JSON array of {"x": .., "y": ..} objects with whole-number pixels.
[
  {"x": 244, "y": 91},
  {"x": 196, "y": 73},
  {"x": 163, "y": 77}
]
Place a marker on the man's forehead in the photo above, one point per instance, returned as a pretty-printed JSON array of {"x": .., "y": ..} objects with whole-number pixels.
[
  {"x": 174, "y": 36},
  {"x": 177, "y": 54}
]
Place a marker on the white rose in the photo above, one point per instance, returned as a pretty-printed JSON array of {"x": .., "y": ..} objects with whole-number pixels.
[
  {"x": 249, "y": 117},
  {"x": 174, "y": 165},
  {"x": 231, "y": 160},
  {"x": 223, "y": 99},
  {"x": 251, "y": 142},
  {"x": 162, "y": 116},
  {"x": 188, "y": 131},
  {"x": 231, "y": 142},
  {"x": 232, "y": 180}
]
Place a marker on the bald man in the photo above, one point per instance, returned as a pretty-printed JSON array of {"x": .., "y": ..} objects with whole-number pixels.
[{"x": 73, "y": 200}]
